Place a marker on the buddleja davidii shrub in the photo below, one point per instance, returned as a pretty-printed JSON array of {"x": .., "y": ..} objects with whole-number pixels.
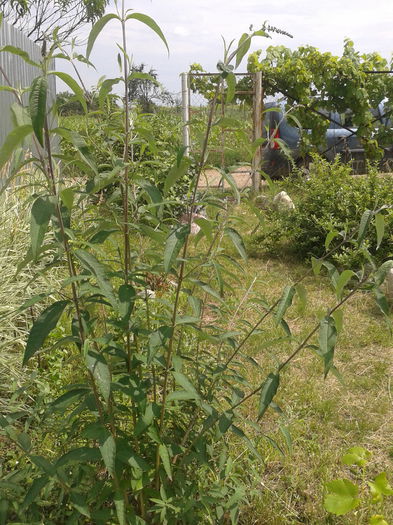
[
  {"x": 331, "y": 199},
  {"x": 140, "y": 438}
]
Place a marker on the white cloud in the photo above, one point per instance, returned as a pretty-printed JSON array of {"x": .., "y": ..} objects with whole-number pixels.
[{"x": 193, "y": 29}]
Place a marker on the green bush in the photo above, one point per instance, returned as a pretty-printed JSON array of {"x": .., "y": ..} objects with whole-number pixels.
[{"x": 329, "y": 199}]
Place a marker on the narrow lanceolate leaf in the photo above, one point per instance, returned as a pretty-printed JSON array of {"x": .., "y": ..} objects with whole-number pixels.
[
  {"x": 34, "y": 491},
  {"x": 329, "y": 238},
  {"x": 96, "y": 30},
  {"x": 120, "y": 508},
  {"x": 67, "y": 197},
  {"x": 242, "y": 48},
  {"x": 72, "y": 84},
  {"x": 90, "y": 263},
  {"x": 268, "y": 391},
  {"x": 21, "y": 53},
  {"x": 147, "y": 20},
  {"x": 285, "y": 302},
  {"x": 37, "y": 105},
  {"x": 127, "y": 297},
  {"x": 237, "y": 241},
  {"x": 41, "y": 212},
  {"x": 108, "y": 453},
  {"x": 316, "y": 265},
  {"x": 175, "y": 173},
  {"x": 380, "y": 228},
  {"x": 174, "y": 243},
  {"x": 12, "y": 141},
  {"x": 342, "y": 497},
  {"x": 98, "y": 367},
  {"x": 342, "y": 281},
  {"x": 327, "y": 341},
  {"x": 231, "y": 87},
  {"x": 42, "y": 327},
  {"x": 164, "y": 455},
  {"x": 364, "y": 225}
]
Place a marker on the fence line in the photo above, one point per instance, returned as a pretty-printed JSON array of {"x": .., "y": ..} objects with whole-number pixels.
[{"x": 19, "y": 73}]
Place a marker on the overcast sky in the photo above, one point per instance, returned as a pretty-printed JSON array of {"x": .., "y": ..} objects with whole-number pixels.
[{"x": 193, "y": 29}]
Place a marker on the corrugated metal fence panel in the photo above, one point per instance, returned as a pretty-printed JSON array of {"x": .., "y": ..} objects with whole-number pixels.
[{"x": 18, "y": 72}]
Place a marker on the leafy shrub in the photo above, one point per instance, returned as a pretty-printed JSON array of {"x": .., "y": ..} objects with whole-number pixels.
[{"x": 330, "y": 199}]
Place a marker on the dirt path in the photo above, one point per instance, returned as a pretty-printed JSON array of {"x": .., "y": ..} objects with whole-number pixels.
[{"x": 212, "y": 178}]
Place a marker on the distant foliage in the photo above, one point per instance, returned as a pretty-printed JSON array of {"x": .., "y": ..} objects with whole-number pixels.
[
  {"x": 325, "y": 82},
  {"x": 331, "y": 199}
]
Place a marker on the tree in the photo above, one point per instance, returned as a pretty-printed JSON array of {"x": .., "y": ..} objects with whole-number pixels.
[
  {"x": 145, "y": 90},
  {"x": 38, "y": 18},
  {"x": 315, "y": 83}
]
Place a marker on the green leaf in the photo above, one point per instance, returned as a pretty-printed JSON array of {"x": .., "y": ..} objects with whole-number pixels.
[
  {"x": 37, "y": 105},
  {"x": 329, "y": 238},
  {"x": 4, "y": 504},
  {"x": 178, "y": 170},
  {"x": 302, "y": 295},
  {"x": 183, "y": 381},
  {"x": 43, "y": 464},
  {"x": 285, "y": 302},
  {"x": 62, "y": 402},
  {"x": 316, "y": 265},
  {"x": 105, "y": 89},
  {"x": 108, "y": 453},
  {"x": 364, "y": 225},
  {"x": 73, "y": 85},
  {"x": 327, "y": 341},
  {"x": 342, "y": 281},
  {"x": 21, "y": 53},
  {"x": 102, "y": 235},
  {"x": 181, "y": 395},
  {"x": 268, "y": 391},
  {"x": 383, "y": 270},
  {"x": 381, "y": 301},
  {"x": 42, "y": 327},
  {"x": 231, "y": 87},
  {"x": 79, "y": 455},
  {"x": 74, "y": 138},
  {"x": 34, "y": 491},
  {"x": 79, "y": 502},
  {"x": 380, "y": 487},
  {"x": 147, "y": 20},
  {"x": 380, "y": 228},
  {"x": 90, "y": 263},
  {"x": 96, "y": 30},
  {"x": 164, "y": 455},
  {"x": 206, "y": 288},
  {"x": 242, "y": 48},
  {"x": 120, "y": 508},
  {"x": 41, "y": 212},
  {"x": 174, "y": 243},
  {"x": 98, "y": 367},
  {"x": 12, "y": 141},
  {"x": 338, "y": 317},
  {"x": 232, "y": 183},
  {"x": 237, "y": 241},
  {"x": 67, "y": 196},
  {"x": 127, "y": 297},
  {"x": 342, "y": 497},
  {"x": 356, "y": 456}
]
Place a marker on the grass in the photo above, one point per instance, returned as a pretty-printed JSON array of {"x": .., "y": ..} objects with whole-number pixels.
[{"x": 324, "y": 417}]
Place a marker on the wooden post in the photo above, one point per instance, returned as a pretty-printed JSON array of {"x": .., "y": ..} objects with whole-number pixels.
[
  {"x": 257, "y": 131},
  {"x": 185, "y": 96}
]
